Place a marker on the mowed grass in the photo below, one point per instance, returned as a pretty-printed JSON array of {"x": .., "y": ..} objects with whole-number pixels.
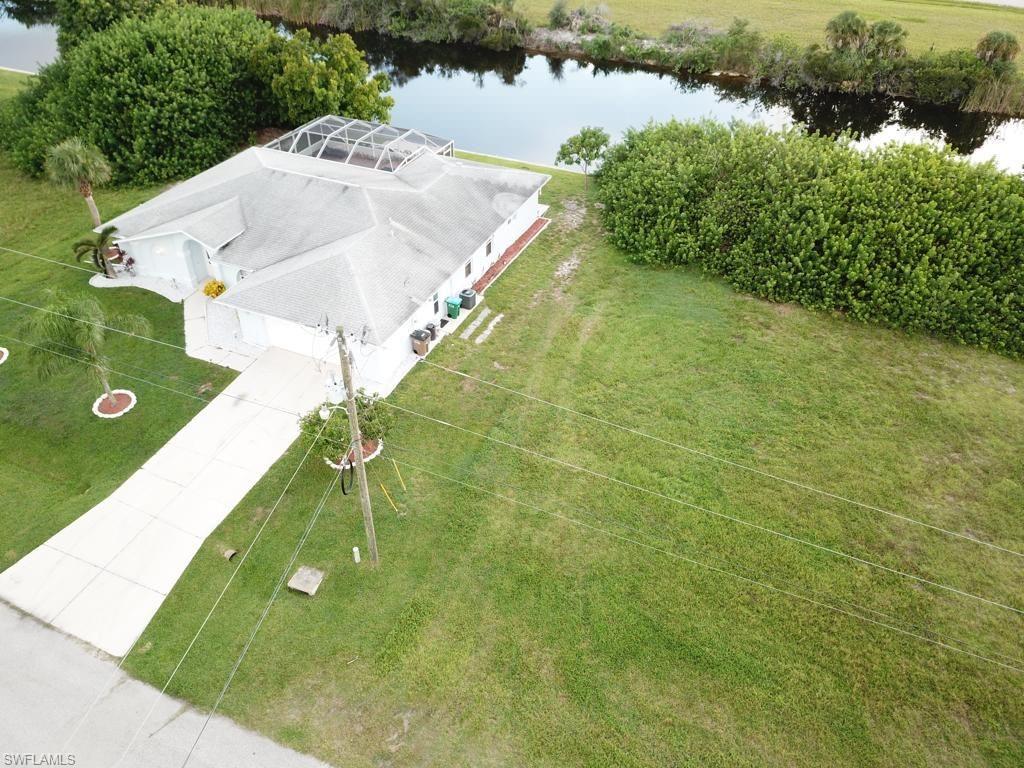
[
  {"x": 57, "y": 459},
  {"x": 939, "y": 23},
  {"x": 567, "y": 630}
]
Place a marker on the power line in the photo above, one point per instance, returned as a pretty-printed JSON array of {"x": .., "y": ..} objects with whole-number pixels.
[
  {"x": 227, "y": 585},
  {"x": 723, "y": 571},
  {"x": 266, "y": 612},
  {"x": 89, "y": 322},
  {"x": 133, "y": 366},
  {"x": 730, "y": 462},
  {"x": 647, "y": 535},
  {"x": 51, "y": 261},
  {"x": 147, "y": 381},
  {"x": 723, "y": 515}
]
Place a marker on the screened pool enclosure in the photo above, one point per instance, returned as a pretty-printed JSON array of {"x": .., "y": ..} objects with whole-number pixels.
[{"x": 360, "y": 142}]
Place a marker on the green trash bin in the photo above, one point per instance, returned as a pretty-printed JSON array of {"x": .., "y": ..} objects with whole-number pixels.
[{"x": 454, "y": 305}]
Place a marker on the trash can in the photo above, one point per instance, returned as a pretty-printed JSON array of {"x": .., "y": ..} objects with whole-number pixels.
[
  {"x": 468, "y": 297},
  {"x": 454, "y": 304},
  {"x": 420, "y": 342},
  {"x": 432, "y": 330}
]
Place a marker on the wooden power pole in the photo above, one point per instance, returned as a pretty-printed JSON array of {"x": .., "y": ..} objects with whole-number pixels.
[{"x": 357, "y": 440}]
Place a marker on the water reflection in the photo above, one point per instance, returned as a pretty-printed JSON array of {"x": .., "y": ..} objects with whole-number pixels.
[
  {"x": 29, "y": 12},
  {"x": 523, "y": 105},
  {"x": 533, "y": 93}
]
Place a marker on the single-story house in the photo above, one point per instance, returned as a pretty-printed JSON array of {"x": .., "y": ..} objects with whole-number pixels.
[{"x": 339, "y": 222}]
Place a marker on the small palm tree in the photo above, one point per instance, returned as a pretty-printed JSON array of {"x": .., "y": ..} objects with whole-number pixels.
[
  {"x": 888, "y": 40},
  {"x": 74, "y": 329},
  {"x": 997, "y": 46},
  {"x": 847, "y": 32},
  {"x": 74, "y": 163},
  {"x": 95, "y": 249}
]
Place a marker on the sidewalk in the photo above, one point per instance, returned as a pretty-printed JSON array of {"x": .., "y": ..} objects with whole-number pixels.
[
  {"x": 103, "y": 577},
  {"x": 49, "y": 681}
]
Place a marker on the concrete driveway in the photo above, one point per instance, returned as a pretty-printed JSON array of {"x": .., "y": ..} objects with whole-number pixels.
[
  {"x": 49, "y": 681},
  {"x": 104, "y": 576}
]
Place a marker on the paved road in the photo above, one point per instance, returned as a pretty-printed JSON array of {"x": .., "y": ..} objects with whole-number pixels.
[
  {"x": 104, "y": 576},
  {"x": 47, "y": 682}
]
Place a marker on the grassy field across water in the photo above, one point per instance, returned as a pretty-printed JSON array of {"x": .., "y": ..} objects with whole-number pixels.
[
  {"x": 941, "y": 24},
  {"x": 570, "y": 629}
]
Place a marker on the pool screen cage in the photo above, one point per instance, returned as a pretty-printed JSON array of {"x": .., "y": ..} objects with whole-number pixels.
[{"x": 360, "y": 142}]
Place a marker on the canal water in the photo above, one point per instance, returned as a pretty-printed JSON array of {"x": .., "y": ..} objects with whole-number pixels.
[{"x": 524, "y": 106}]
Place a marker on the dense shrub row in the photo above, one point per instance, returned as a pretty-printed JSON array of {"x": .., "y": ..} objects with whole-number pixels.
[
  {"x": 855, "y": 58},
  {"x": 167, "y": 95},
  {"x": 493, "y": 24},
  {"x": 910, "y": 236}
]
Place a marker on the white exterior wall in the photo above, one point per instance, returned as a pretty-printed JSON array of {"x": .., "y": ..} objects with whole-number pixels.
[
  {"x": 171, "y": 257},
  {"x": 505, "y": 236},
  {"x": 167, "y": 257}
]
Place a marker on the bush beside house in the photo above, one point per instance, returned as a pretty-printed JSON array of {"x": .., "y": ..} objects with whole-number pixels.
[
  {"x": 909, "y": 236},
  {"x": 168, "y": 95}
]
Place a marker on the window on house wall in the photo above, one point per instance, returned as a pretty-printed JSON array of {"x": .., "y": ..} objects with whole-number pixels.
[
  {"x": 469, "y": 267},
  {"x": 488, "y": 247},
  {"x": 437, "y": 303}
]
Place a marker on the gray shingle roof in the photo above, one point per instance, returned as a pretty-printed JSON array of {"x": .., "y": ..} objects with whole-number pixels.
[{"x": 323, "y": 238}]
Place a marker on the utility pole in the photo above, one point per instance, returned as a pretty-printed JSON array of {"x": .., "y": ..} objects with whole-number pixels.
[{"x": 357, "y": 440}]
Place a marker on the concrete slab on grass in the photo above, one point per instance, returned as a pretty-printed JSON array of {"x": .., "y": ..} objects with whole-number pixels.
[{"x": 306, "y": 580}]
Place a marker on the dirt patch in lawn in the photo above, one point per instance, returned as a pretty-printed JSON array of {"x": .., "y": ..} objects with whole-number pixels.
[
  {"x": 572, "y": 216},
  {"x": 121, "y": 401},
  {"x": 567, "y": 268}
]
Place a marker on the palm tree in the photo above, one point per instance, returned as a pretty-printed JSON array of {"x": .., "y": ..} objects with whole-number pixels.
[
  {"x": 888, "y": 40},
  {"x": 997, "y": 46},
  {"x": 847, "y": 32},
  {"x": 74, "y": 163},
  {"x": 95, "y": 249},
  {"x": 74, "y": 329}
]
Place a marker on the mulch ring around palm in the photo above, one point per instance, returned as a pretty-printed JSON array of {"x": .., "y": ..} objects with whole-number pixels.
[{"x": 123, "y": 401}]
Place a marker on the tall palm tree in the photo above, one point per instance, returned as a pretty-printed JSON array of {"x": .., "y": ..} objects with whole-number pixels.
[
  {"x": 73, "y": 329},
  {"x": 74, "y": 163},
  {"x": 95, "y": 249}
]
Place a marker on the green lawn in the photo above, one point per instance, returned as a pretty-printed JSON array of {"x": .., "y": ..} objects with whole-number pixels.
[
  {"x": 58, "y": 459},
  {"x": 940, "y": 23},
  {"x": 11, "y": 83},
  {"x": 493, "y": 634}
]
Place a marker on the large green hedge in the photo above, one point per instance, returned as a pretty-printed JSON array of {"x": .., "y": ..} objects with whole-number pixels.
[
  {"x": 910, "y": 236},
  {"x": 167, "y": 95}
]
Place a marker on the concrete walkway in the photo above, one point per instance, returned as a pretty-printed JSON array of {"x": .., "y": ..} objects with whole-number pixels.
[
  {"x": 49, "y": 681},
  {"x": 103, "y": 577}
]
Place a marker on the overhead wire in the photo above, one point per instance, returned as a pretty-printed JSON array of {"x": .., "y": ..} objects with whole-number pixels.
[
  {"x": 112, "y": 329},
  {"x": 263, "y": 616},
  {"x": 738, "y": 465},
  {"x": 223, "y": 592},
  {"x": 715, "y": 513},
  {"x": 722, "y": 571},
  {"x": 147, "y": 381},
  {"x": 51, "y": 261},
  {"x": 392, "y": 446}
]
